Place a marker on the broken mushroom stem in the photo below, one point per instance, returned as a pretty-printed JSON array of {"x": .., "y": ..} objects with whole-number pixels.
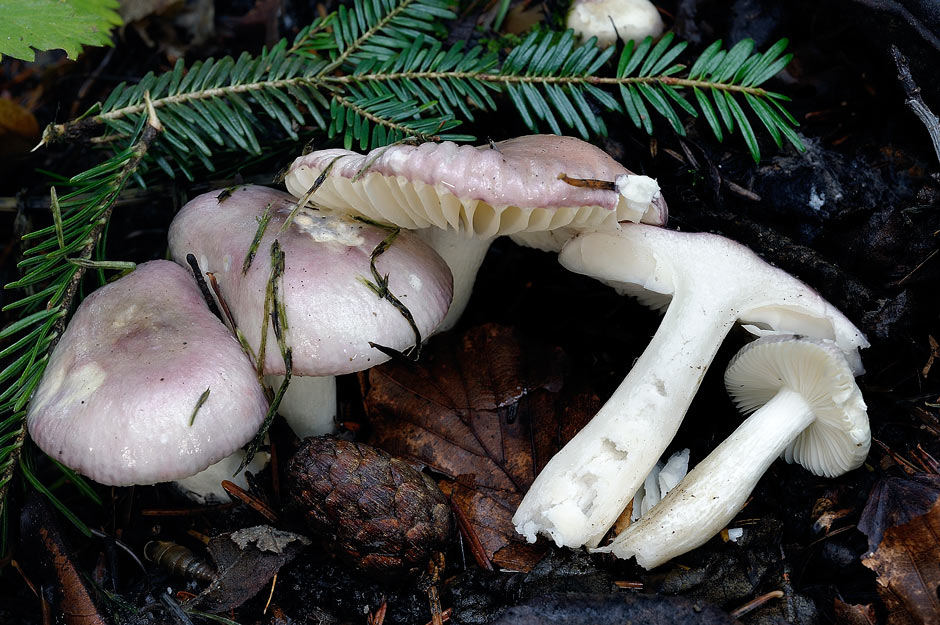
[{"x": 809, "y": 409}]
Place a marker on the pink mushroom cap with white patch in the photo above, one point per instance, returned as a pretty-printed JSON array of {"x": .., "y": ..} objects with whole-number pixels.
[{"x": 122, "y": 400}]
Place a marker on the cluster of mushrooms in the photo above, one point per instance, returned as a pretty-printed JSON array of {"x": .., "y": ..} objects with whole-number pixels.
[{"x": 148, "y": 385}]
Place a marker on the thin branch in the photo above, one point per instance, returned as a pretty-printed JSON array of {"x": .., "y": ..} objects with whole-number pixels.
[
  {"x": 365, "y": 36},
  {"x": 545, "y": 80},
  {"x": 358, "y": 110},
  {"x": 914, "y": 100},
  {"x": 75, "y": 129}
]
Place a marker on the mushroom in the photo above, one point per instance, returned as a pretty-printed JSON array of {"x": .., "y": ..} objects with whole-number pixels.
[
  {"x": 461, "y": 197},
  {"x": 708, "y": 283},
  {"x": 609, "y": 20},
  {"x": 146, "y": 385},
  {"x": 332, "y": 318},
  {"x": 808, "y": 408}
]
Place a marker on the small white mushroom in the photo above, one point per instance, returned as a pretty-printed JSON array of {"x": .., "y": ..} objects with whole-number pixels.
[
  {"x": 460, "y": 198},
  {"x": 806, "y": 407},
  {"x": 708, "y": 283},
  {"x": 609, "y": 20}
]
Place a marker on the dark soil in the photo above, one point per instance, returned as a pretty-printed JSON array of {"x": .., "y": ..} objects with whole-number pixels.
[{"x": 857, "y": 216}]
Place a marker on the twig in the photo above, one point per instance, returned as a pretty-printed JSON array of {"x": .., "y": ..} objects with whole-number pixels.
[
  {"x": 169, "y": 512},
  {"x": 914, "y": 101},
  {"x": 203, "y": 287},
  {"x": 755, "y": 603},
  {"x": 256, "y": 504},
  {"x": 466, "y": 529}
]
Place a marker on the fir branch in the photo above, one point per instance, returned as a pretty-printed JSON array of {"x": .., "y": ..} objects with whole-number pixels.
[
  {"x": 88, "y": 217},
  {"x": 551, "y": 81}
]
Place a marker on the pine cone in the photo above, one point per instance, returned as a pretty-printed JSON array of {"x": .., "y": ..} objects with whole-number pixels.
[{"x": 374, "y": 511}]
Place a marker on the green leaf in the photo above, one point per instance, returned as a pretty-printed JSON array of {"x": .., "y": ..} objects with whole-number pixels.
[
  {"x": 662, "y": 107},
  {"x": 656, "y": 54},
  {"x": 749, "y": 138},
  {"x": 55, "y": 24},
  {"x": 703, "y": 61},
  {"x": 767, "y": 116},
  {"x": 708, "y": 112}
]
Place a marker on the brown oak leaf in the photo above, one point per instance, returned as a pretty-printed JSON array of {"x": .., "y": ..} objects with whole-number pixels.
[
  {"x": 906, "y": 514},
  {"x": 487, "y": 409}
]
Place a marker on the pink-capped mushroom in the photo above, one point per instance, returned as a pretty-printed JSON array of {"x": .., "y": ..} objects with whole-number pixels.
[{"x": 460, "y": 198}]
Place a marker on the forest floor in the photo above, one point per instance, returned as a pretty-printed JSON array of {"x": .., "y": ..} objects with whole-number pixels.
[{"x": 856, "y": 216}]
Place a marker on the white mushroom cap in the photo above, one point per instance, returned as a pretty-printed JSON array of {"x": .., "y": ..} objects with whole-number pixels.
[
  {"x": 486, "y": 191},
  {"x": 608, "y": 19},
  {"x": 118, "y": 395},
  {"x": 331, "y": 315},
  {"x": 839, "y": 439}
]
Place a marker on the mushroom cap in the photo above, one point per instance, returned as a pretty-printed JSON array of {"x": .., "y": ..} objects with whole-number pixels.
[
  {"x": 331, "y": 315},
  {"x": 839, "y": 439},
  {"x": 486, "y": 191},
  {"x": 606, "y": 19},
  {"x": 118, "y": 394}
]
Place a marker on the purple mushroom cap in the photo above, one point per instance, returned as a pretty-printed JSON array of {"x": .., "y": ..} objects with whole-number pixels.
[
  {"x": 118, "y": 399},
  {"x": 331, "y": 314},
  {"x": 491, "y": 190}
]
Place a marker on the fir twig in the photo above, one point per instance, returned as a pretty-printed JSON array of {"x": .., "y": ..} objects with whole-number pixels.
[{"x": 379, "y": 286}]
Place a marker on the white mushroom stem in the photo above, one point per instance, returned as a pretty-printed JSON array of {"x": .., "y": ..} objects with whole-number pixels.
[
  {"x": 206, "y": 486},
  {"x": 463, "y": 253},
  {"x": 309, "y": 405},
  {"x": 586, "y": 485},
  {"x": 717, "y": 488},
  {"x": 713, "y": 283}
]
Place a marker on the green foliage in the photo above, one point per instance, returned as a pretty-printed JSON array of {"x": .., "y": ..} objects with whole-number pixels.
[
  {"x": 54, "y": 24},
  {"x": 371, "y": 74}
]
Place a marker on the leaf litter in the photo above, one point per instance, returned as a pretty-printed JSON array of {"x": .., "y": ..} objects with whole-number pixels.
[{"x": 487, "y": 409}]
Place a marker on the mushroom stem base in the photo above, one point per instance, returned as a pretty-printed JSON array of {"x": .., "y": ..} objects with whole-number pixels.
[
  {"x": 309, "y": 405},
  {"x": 717, "y": 488}
]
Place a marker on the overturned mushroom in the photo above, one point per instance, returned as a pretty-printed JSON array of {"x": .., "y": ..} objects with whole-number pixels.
[
  {"x": 462, "y": 197},
  {"x": 146, "y": 385},
  {"x": 806, "y": 406},
  {"x": 331, "y": 315},
  {"x": 708, "y": 283}
]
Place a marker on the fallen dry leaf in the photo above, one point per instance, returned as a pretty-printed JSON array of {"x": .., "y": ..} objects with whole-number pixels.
[
  {"x": 246, "y": 560},
  {"x": 19, "y": 130},
  {"x": 854, "y": 614},
  {"x": 895, "y": 501},
  {"x": 488, "y": 410},
  {"x": 45, "y": 550},
  {"x": 907, "y": 559}
]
